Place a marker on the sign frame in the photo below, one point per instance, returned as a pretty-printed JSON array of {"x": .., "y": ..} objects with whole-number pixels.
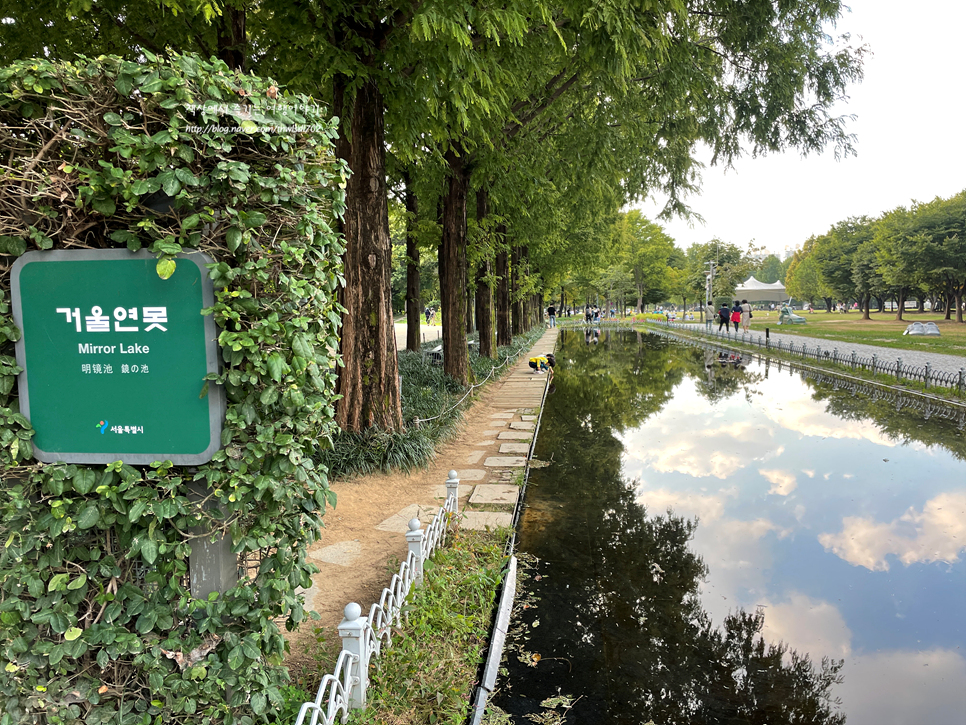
[{"x": 216, "y": 393}]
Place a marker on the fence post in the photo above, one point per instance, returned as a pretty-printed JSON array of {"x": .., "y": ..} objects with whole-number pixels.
[
  {"x": 853, "y": 359},
  {"x": 453, "y": 487},
  {"x": 835, "y": 354},
  {"x": 898, "y": 368},
  {"x": 352, "y": 629},
  {"x": 875, "y": 359},
  {"x": 818, "y": 352},
  {"x": 962, "y": 379},
  {"x": 926, "y": 381},
  {"x": 414, "y": 538}
]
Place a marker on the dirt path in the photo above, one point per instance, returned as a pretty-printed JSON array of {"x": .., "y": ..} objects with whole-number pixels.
[{"x": 363, "y": 540}]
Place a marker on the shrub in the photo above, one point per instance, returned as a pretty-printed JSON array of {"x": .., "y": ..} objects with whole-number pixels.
[{"x": 97, "y": 622}]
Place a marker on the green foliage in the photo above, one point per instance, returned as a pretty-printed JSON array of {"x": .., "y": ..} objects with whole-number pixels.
[
  {"x": 428, "y": 396},
  {"x": 427, "y": 674},
  {"x": 97, "y": 622}
]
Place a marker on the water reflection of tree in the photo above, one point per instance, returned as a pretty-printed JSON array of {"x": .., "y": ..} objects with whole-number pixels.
[
  {"x": 717, "y": 379},
  {"x": 620, "y": 621}
]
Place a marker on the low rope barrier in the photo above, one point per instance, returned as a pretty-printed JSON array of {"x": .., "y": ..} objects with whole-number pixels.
[{"x": 513, "y": 356}]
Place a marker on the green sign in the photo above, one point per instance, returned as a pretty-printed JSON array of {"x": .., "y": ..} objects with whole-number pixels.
[{"x": 114, "y": 357}]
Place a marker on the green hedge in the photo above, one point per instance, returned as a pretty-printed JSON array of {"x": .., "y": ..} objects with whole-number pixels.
[{"x": 96, "y": 621}]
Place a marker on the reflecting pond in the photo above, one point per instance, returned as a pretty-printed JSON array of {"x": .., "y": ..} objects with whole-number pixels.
[{"x": 724, "y": 543}]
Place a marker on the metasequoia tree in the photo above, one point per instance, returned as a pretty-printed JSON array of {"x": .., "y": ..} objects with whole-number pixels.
[{"x": 660, "y": 81}]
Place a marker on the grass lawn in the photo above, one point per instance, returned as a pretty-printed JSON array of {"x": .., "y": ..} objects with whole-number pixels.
[{"x": 882, "y": 330}]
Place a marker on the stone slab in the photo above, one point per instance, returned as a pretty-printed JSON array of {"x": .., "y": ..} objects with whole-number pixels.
[
  {"x": 495, "y": 493},
  {"x": 505, "y": 462},
  {"x": 514, "y": 448},
  {"x": 399, "y": 522},
  {"x": 343, "y": 553},
  {"x": 528, "y": 417},
  {"x": 502, "y": 415},
  {"x": 440, "y": 495},
  {"x": 522, "y": 426},
  {"x": 484, "y": 443},
  {"x": 471, "y": 474},
  {"x": 475, "y": 456},
  {"x": 491, "y": 432},
  {"x": 481, "y": 520},
  {"x": 516, "y": 435}
]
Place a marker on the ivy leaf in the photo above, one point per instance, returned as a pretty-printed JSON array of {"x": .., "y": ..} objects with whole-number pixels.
[
  {"x": 14, "y": 246},
  {"x": 105, "y": 206},
  {"x": 84, "y": 480},
  {"x": 166, "y": 267},
  {"x": 259, "y": 703},
  {"x": 73, "y": 633},
  {"x": 149, "y": 551},
  {"x": 113, "y": 119},
  {"x": 236, "y": 657},
  {"x": 275, "y": 364},
  {"x": 89, "y": 516},
  {"x": 77, "y": 583},
  {"x": 233, "y": 238},
  {"x": 302, "y": 347},
  {"x": 136, "y": 510}
]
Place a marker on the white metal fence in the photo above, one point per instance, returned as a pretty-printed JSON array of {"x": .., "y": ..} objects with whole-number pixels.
[{"x": 364, "y": 637}]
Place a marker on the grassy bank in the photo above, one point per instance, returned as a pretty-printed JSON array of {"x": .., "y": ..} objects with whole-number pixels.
[
  {"x": 428, "y": 674},
  {"x": 882, "y": 330}
]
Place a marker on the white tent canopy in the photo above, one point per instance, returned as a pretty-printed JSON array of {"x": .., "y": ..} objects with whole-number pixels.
[{"x": 754, "y": 291}]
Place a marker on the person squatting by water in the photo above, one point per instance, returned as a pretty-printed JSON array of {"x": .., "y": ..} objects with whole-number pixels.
[{"x": 543, "y": 363}]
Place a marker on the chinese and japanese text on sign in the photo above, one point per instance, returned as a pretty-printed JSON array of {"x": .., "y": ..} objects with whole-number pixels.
[{"x": 115, "y": 357}]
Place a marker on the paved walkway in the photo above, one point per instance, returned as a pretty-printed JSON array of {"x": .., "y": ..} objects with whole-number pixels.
[
  {"x": 427, "y": 332},
  {"x": 366, "y": 529},
  {"x": 912, "y": 358}
]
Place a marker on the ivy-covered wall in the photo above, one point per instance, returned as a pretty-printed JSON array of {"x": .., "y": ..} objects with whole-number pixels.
[{"x": 97, "y": 623}]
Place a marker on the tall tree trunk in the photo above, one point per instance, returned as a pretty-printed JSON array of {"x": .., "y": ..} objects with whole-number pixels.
[
  {"x": 470, "y": 310},
  {"x": 232, "y": 41},
  {"x": 958, "y": 297},
  {"x": 452, "y": 278},
  {"x": 502, "y": 302},
  {"x": 484, "y": 292},
  {"x": 516, "y": 304},
  {"x": 414, "y": 304},
  {"x": 902, "y": 303},
  {"x": 369, "y": 378},
  {"x": 866, "y": 301}
]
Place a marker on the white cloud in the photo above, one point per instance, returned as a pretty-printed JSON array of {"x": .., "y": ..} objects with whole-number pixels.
[
  {"x": 937, "y": 533},
  {"x": 782, "y": 482},
  {"x": 809, "y": 473},
  {"x": 809, "y": 626}
]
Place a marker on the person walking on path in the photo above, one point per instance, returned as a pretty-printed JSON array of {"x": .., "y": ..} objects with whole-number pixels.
[
  {"x": 552, "y": 314},
  {"x": 745, "y": 316},
  {"x": 736, "y": 314},
  {"x": 724, "y": 317},
  {"x": 708, "y": 315}
]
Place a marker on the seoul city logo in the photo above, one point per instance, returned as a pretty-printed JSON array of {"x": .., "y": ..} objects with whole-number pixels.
[{"x": 103, "y": 426}]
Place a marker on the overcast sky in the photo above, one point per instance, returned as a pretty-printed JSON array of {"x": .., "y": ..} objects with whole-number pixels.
[{"x": 911, "y": 132}]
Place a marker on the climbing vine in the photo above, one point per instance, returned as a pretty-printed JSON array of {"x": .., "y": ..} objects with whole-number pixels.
[{"x": 97, "y": 620}]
